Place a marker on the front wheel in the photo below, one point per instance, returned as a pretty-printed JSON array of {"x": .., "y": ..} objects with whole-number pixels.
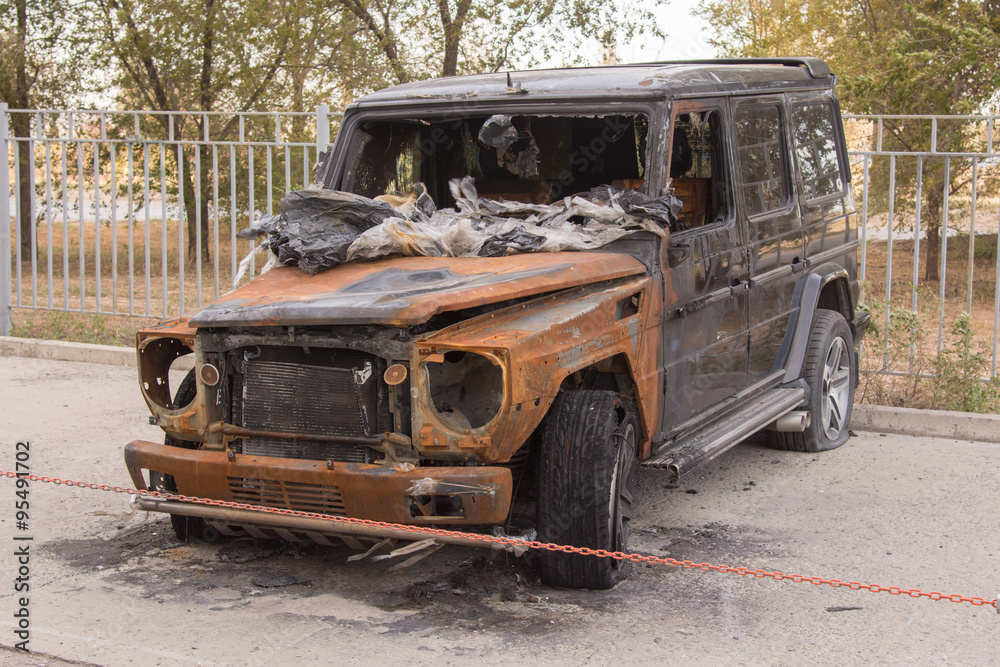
[
  {"x": 586, "y": 479},
  {"x": 185, "y": 527},
  {"x": 829, "y": 369}
]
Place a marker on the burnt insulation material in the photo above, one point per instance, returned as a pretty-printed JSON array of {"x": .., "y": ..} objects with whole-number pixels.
[
  {"x": 316, "y": 227},
  {"x": 319, "y": 229}
]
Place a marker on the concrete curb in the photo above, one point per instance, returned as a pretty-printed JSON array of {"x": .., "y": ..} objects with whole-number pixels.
[
  {"x": 59, "y": 350},
  {"x": 926, "y": 423},
  {"x": 65, "y": 351},
  {"x": 877, "y": 418}
]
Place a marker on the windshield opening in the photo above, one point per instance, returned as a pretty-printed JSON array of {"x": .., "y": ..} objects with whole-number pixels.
[{"x": 523, "y": 158}]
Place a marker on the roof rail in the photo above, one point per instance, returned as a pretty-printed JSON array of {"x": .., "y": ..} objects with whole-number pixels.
[{"x": 816, "y": 67}]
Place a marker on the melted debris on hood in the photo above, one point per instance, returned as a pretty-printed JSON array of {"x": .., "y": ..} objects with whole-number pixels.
[{"x": 319, "y": 229}]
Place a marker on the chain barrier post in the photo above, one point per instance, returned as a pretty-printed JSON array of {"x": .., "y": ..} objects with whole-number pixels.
[{"x": 5, "y": 286}]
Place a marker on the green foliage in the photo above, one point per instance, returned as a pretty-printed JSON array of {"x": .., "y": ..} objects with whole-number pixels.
[
  {"x": 890, "y": 351},
  {"x": 40, "y": 53},
  {"x": 929, "y": 57},
  {"x": 423, "y": 38},
  {"x": 904, "y": 369},
  {"x": 961, "y": 365}
]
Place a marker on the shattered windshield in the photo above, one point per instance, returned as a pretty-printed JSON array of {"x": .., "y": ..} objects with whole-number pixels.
[{"x": 521, "y": 158}]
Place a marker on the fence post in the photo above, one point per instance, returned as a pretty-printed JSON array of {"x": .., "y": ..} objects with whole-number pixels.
[
  {"x": 5, "y": 285},
  {"x": 322, "y": 128}
]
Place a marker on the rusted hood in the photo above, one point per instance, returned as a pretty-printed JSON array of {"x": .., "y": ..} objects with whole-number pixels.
[{"x": 406, "y": 290}]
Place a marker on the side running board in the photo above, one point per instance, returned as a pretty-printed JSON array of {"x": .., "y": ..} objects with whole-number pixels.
[{"x": 704, "y": 445}]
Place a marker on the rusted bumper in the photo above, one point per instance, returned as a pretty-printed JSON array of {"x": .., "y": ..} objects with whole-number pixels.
[{"x": 417, "y": 496}]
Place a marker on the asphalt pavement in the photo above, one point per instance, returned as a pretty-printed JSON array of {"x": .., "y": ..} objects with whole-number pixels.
[{"x": 111, "y": 586}]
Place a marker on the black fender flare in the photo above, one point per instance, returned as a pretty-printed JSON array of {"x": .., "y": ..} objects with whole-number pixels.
[{"x": 806, "y": 298}]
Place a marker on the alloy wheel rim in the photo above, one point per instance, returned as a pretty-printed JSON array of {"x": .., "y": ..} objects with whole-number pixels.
[{"x": 836, "y": 389}]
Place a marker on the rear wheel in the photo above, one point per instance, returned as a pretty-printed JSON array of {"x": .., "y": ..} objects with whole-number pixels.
[
  {"x": 829, "y": 370},
  {"x": 185, "y": 527},
  {"x": 586, "y": 479}
]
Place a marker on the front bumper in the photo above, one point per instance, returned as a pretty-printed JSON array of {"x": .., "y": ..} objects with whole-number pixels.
[{"x": 427, "y": 496}]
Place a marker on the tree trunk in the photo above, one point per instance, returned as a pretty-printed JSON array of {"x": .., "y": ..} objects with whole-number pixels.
[
  {"x": 22, "y": 128},
  {"x": 191, "y": 204},
  {"x": 934, "y": 198}
]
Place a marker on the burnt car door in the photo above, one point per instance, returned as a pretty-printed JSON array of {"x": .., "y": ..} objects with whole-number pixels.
[
  {"x": 771, "y": 215},
  {"x": 705, "y": 327}
]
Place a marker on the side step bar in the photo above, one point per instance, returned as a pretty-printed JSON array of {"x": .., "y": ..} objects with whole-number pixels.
[{"x": 706, "y": 444}]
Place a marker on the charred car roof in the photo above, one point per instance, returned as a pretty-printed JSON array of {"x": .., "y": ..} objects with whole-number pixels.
[{"x": 666, "y": 79}]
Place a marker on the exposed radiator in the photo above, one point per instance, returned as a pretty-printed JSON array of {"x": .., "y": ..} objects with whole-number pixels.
[{"x": 322, "y": 392}]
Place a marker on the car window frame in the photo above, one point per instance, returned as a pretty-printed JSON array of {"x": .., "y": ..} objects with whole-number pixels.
[
  {"x": 720, "y": 105},
  {"x": 784, "y": 130},
  {"x": 838, "y": 147}
]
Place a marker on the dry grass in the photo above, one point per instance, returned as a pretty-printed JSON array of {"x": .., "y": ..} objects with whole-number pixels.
[{"x": 125, "y": 303}]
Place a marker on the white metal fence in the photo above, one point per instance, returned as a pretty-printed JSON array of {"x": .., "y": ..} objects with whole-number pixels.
[
  {"x": 103, "y": 208},
  {"x": 927, "y": 189},
  {"x": 101, "y": 204}
]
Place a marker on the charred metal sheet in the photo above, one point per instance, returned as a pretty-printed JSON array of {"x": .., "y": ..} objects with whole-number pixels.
[
  {"x": 406, "y": 290},
  {"x": 643, "y": 80},
  {"x": 474, "y": 494},
  {"x": 539, "y": 344}
]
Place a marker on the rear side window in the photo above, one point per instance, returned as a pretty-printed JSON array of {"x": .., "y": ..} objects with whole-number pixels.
[
  {"x": 816, "y": 149},
  {"x": 762, "y": 162}
]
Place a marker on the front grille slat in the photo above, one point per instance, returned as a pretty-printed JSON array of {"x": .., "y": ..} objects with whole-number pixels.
[{"x": 287, "y": 495}]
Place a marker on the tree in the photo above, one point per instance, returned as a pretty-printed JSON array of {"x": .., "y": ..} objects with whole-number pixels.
[
  {"x": 203, "y": 55},
  {"x": 919, "y": 57},
  {"x": 426, "y": 38},
  {"x": 39, "y": 67}
]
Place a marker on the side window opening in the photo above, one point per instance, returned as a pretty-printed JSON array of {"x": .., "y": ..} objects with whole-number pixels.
[
  {"x": 697, "y": 169},
  {"x": 813, "y": 129},
  {"x": 761, "y": 158}
]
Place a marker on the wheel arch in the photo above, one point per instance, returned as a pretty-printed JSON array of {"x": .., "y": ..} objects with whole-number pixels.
[
  {"x": 827, "y": 287},
  {"x": 613, "y": 373}
]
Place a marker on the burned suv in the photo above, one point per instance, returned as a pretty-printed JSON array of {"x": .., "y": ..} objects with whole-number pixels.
[{"x": 523, "y": 286}]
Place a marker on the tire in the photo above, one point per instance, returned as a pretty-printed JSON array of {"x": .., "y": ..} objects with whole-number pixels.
[
  {"x": 185, "y": 527},
  {"x": 829, "y": 369},
  {"x": 586, "y": 479}
]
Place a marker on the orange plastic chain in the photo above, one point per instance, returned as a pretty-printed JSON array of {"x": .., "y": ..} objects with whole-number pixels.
[{"x": 547, "y": 546}]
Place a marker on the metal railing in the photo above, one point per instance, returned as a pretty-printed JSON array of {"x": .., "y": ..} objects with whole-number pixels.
[
  {"x": 97, "y": 206},
  {"x": 903, "y": 164},
  {"x": 111, "y": 198}
]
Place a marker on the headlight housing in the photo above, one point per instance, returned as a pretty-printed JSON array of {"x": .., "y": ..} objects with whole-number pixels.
[
  {"x": 156, "y": 356},
  {"x": 466, "y": 388}
]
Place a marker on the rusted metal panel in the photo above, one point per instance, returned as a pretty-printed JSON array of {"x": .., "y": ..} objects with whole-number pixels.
[
  {"x": 406, "y": 290},
  {"x": 540, "y": 343},
  {"x": 364, "y": 491}
]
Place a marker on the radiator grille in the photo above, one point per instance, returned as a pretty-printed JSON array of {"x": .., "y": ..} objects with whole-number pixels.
[
  {"x": 320, "y": 392},
  {"x": 288, "y": 495}
]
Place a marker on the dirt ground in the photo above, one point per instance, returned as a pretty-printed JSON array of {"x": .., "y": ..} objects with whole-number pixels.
[{"x": 111, "y": 586}]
